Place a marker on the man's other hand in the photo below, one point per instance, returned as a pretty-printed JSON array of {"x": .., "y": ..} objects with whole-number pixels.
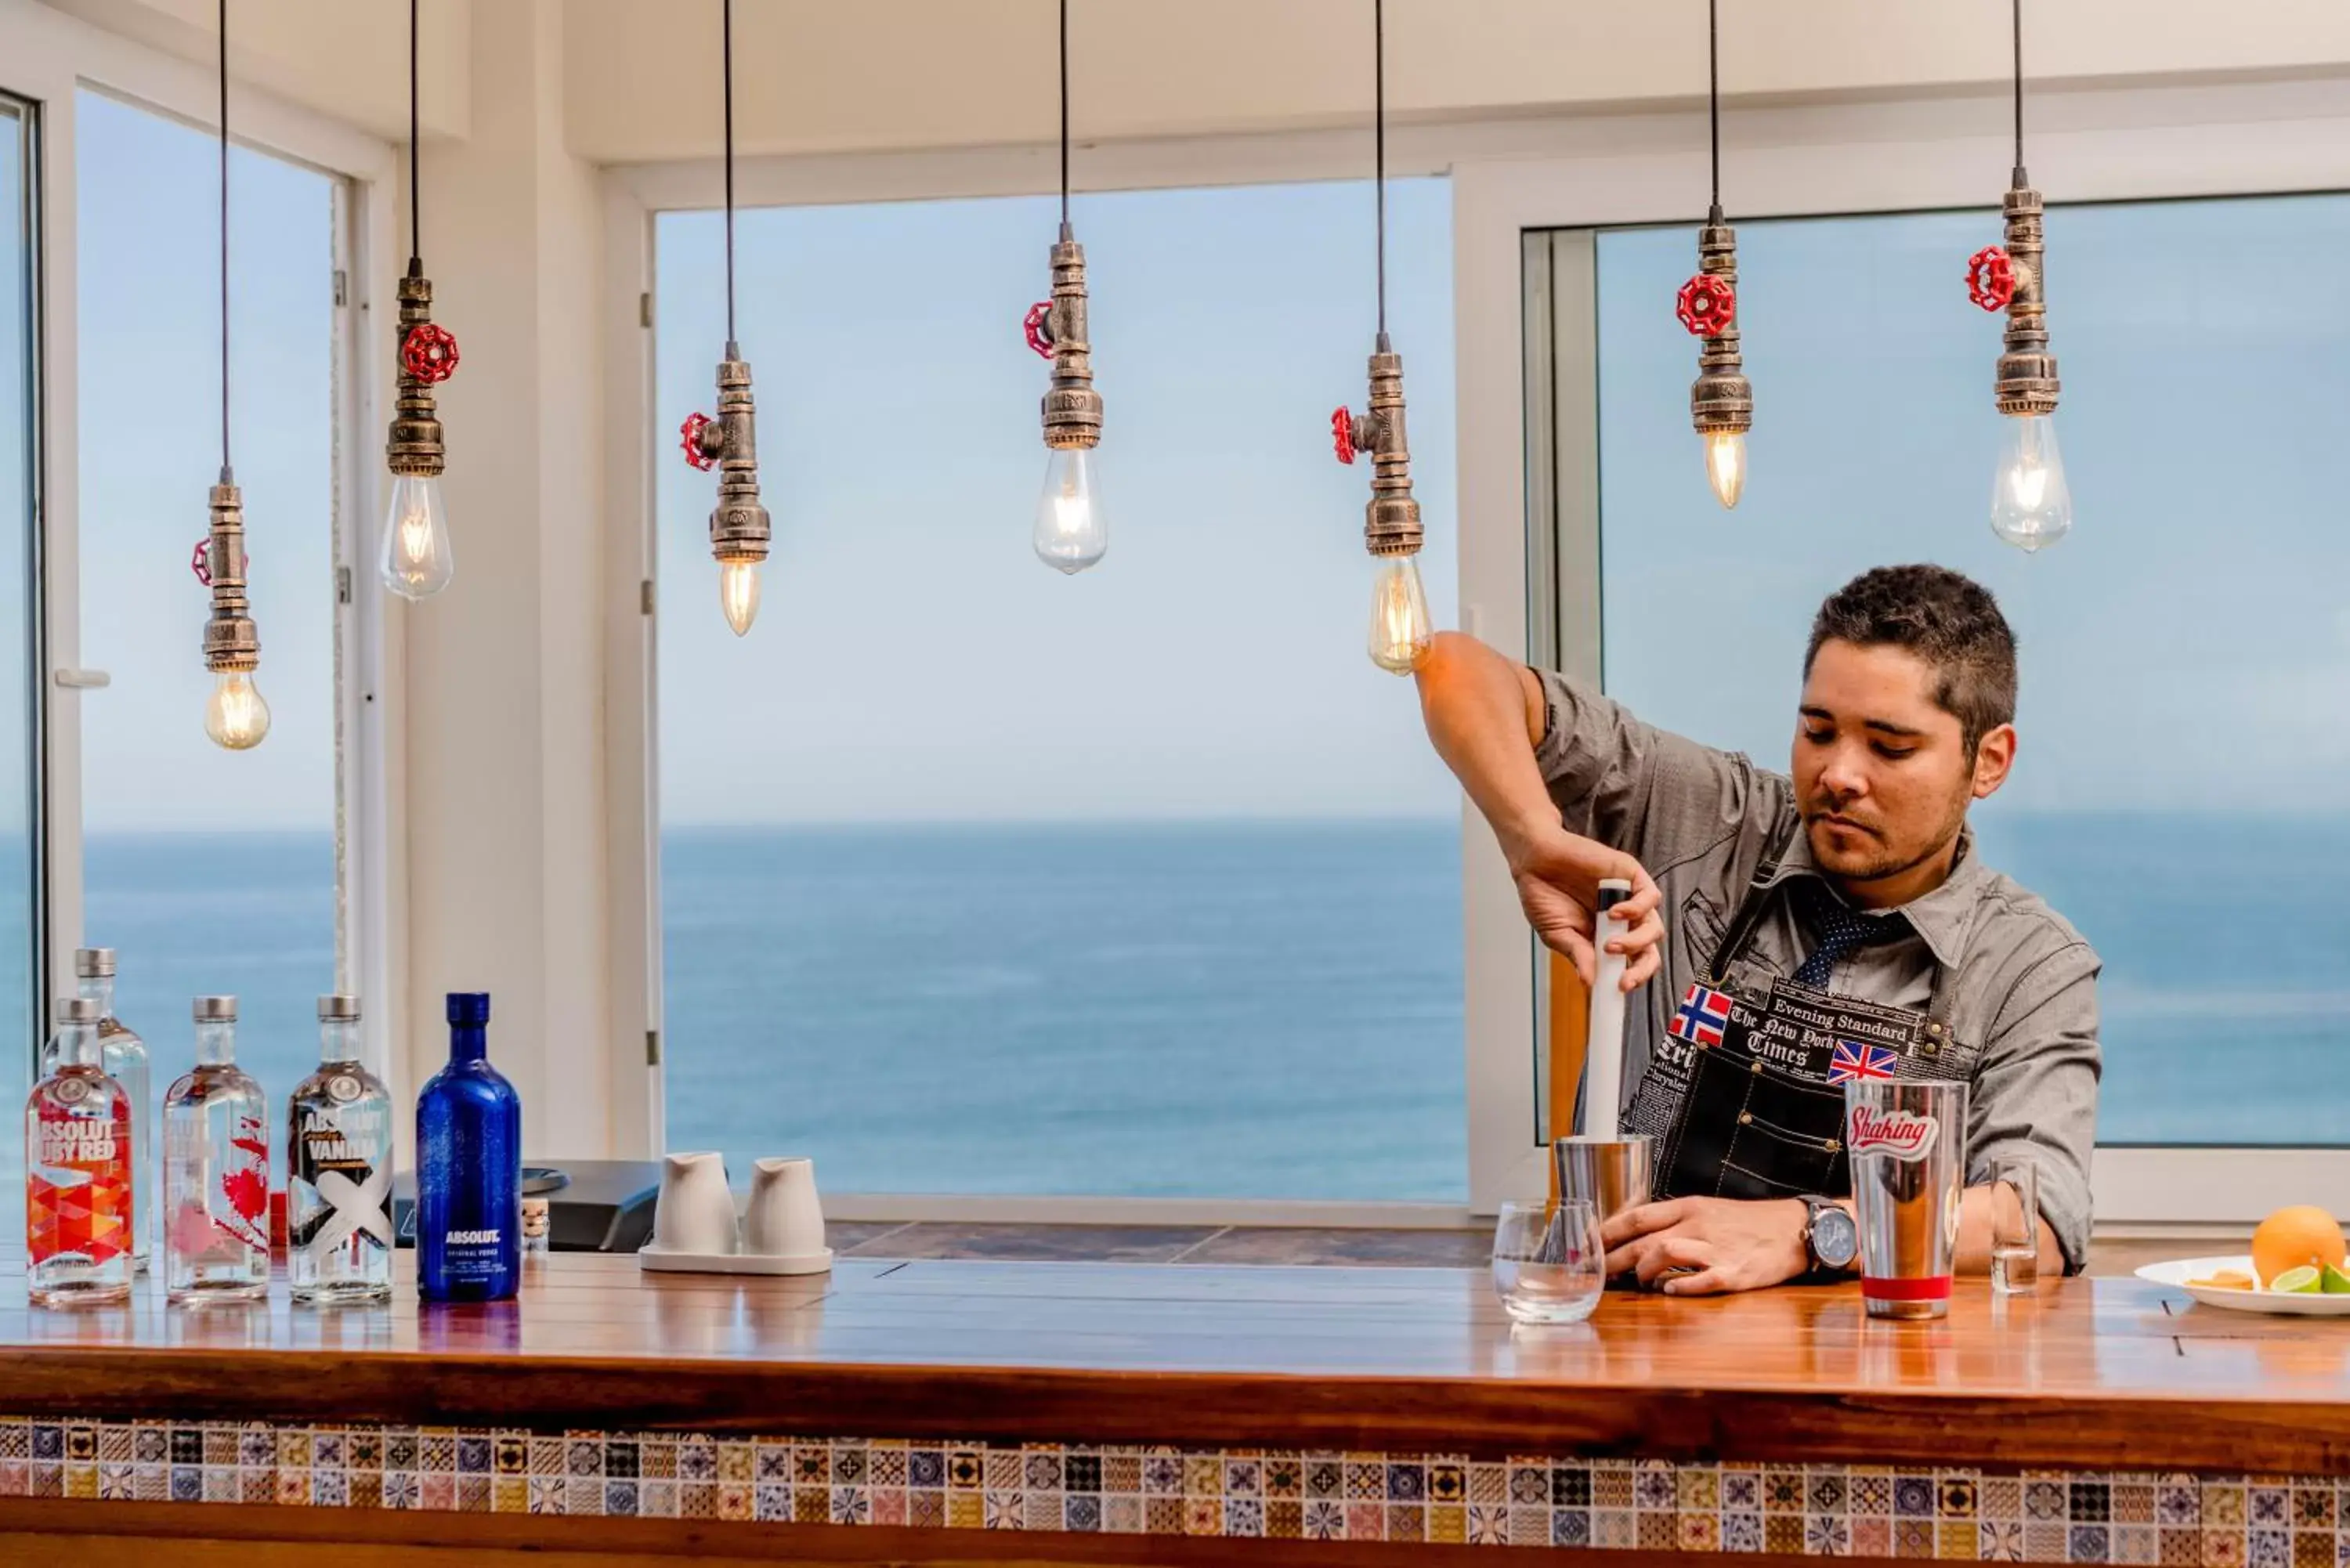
[{"x": 1728, "y": 1243}]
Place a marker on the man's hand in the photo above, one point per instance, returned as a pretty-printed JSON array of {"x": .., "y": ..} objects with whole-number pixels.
[
  {"x": 1558, "y": 874},
  {"x": 1733, "y": 1245}
]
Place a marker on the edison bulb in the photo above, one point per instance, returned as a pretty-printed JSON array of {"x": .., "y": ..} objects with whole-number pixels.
[
  {"x": 417, "y": 562},
  {"x": 2030, "y": 505},
  {"x": 236, "y": 717},
  {"x": 1071, "y": 532},
  {"x": 1725, "y": 465},
  {"x": 738, "y": 593},
  {"x": 1400, "y": 629}
]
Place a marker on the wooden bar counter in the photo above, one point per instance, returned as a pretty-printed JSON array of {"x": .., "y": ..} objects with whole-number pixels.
[{"x": 949, "y": 1411}]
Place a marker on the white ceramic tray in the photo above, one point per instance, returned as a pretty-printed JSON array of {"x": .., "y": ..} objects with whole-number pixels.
[
  {"x": 658, "y": 1262},
  {"x": 2289, "y": 1303}
]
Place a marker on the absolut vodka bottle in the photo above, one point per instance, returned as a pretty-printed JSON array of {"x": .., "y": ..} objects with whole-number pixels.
[
  {"x": 124, "y": 1057},
  {"x": 215, "y": 1170},
  {"x": 468, "y": 1169},
  {"x": 79, "y": 1147},
  {"x": 338, "y": 1170}
]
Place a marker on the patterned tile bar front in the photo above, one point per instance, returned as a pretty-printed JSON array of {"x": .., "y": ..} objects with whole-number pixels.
[{"x": 2171, "y": 1521}]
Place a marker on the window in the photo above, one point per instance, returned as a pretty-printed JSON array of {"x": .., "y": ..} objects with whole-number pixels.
[
  {"x": 20, "y": 991},
  {"x": 2184, "y": 654},
  {"x": 209, "y": 871},
  {"x": 976, "y": 878}
]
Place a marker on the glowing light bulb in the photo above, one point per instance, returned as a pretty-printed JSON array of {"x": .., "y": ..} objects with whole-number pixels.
[
  {"x": 236, "y": 717},
  {"x": 417, "y": 562},
  {"x": 1400, "y": 629},
  {"x": 2030, "y": 505},
  {"x": 1725, "y": 465},
  {"x": 1071, "y": 532},
  {"x": 738, "y": 593}
]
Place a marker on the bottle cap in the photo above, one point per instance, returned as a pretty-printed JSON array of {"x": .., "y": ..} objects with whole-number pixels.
[
  {"x": 469, "y": 1007},
  {"x": 93, "y": 963},
  {"x": 339, "y": 1009},
  {"x": 216, "y": 1010},
  {"x": 78, "y": 1009}
]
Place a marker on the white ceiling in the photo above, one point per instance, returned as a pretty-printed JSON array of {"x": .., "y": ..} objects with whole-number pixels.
[{"x": 641, "y": 76}]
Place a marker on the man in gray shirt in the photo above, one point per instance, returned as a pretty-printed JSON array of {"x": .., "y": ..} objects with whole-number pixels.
[{"x": 1852, "y": 882}]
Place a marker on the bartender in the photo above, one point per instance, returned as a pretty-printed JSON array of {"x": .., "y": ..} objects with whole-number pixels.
[{"x": 1832, "y": 923}]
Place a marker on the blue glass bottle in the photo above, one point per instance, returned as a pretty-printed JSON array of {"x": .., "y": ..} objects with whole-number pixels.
[{"x": 468, "y": 1169}]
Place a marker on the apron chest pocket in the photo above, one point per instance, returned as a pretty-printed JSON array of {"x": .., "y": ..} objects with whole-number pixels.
[{"x": 1748, "y": 1130}]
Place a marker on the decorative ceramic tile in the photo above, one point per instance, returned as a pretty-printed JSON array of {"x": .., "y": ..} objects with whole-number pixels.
[{"x": 2144, "y": 1520}]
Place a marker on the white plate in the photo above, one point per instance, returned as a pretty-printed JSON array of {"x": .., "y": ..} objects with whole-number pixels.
[
  {"x": 2176, "y": 1273},
  {"x": 665, "y": 1262}
]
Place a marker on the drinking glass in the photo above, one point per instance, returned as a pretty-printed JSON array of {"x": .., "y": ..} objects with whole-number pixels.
[
  {"x": 1548, "y": 1264},
  {"x": 2014, "y": 1226}
]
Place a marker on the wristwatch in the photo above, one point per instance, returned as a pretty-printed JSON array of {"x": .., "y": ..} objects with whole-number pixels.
[{"x": 1830, "y": 1237}]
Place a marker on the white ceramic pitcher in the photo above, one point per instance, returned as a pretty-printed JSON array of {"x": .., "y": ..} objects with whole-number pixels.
[
  {"x": 695, "y": 1212},
  {"x": 785, "y": 1217}
]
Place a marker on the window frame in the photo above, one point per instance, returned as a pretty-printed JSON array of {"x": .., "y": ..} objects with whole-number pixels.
[
  {"x": 2145, "y": 144},
  {"x": 52, "y": 57}
]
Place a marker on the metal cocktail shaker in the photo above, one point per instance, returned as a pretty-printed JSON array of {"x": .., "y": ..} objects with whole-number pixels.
[
  {"x": 1611, "y": 1174},
  {"x": 1908, "y": 1143}
]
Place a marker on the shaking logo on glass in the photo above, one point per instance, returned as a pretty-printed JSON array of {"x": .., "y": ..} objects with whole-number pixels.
[{"x": 1845, "y": 893}]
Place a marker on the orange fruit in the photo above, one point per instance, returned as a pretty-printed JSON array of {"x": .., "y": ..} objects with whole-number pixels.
[{"x": 2304, "y": 1236}]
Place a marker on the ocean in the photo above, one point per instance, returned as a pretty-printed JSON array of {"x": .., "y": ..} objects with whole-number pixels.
[{"x": 1218, "y": 1009}]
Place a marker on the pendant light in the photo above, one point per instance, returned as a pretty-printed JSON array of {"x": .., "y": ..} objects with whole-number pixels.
[
  {"x": 1391, "y": 530},
  {"x": 416, "y": 563},
  {"x": 1722, "y": 400},
  {"x": 235, "y": 716},
  {"x": 2030, "y": 505},
  {"x": 1071, "y": 532},
  {"x": 739, "y": 529}
]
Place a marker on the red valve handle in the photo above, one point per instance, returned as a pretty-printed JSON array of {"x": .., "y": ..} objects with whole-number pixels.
[
  {"x": 690, "y": 438},
  {"x": 430, "y": 352},
  {"x": 202, "y": 564},
  {"x": 1342, "y": 434},
  {"x": 1990, "y": 278},
  {"x": 1707, "y": 305},
  {"x": 1039, "y": 338}
]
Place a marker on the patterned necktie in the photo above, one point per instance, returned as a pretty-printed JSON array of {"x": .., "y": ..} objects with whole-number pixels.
[{"x": 1840, "y": 928}]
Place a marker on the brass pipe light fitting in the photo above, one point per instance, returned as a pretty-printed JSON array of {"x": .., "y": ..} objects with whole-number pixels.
[
  {"x": 2010, "y": 278},
  {"x": 1722, "y": 400},
  {"x": 739, "y": 526},
  {"x": 232, "y": 643},
  {"x": 1391, "y": 521},
  {"x": 1057, "y": 330},
  {"x": 428, "y": 357}
]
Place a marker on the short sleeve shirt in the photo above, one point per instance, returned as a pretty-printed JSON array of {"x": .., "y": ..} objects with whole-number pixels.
[{"x": 2021, "y": 994}]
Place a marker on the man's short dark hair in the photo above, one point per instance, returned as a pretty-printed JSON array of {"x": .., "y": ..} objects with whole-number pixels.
[{"x": 1946, "y": 618}]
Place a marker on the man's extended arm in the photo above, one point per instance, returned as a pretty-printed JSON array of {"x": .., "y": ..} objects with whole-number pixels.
[{"x": 1485, "y": 716}]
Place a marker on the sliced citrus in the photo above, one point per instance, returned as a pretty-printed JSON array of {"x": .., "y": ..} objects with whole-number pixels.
[
  {"x": 2305, "y": 1281},
  {"x": 2225, "y": 1279},
  {"x": 2337, "y": 1283}
]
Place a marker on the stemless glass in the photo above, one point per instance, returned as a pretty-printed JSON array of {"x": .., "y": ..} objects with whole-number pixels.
[
  {"x": 2014, "y": 1226},
  {"x": 1548, "y": 1264}
]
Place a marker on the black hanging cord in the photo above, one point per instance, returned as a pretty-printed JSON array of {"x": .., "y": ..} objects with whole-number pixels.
[
  {"x": 223, "y": 236},
  {"x": 1064, "y": 118},
  {"x": 415, "y": 201},
  {"x": 2019, "y": 91},
  {"x": 727, "y": 52},
  {"x": 1379, "y": 145},
  {"x": 1713, "y": 94}
]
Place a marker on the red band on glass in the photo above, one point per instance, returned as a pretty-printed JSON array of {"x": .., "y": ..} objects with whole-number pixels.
[{"x": 1927, "y": 1288}]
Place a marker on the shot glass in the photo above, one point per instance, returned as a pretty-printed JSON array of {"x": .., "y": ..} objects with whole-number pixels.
[
  {"x": 1548, "y": 1264},
  {"x": 2014, "y": 1226}
]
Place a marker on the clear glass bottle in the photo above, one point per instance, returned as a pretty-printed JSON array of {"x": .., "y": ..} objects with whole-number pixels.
[
  {"x": 338, "y": 1236},
  {"x": 78, "y": 1148},
  {"x": 123, "y": 1054},
  {"x": 215, "y": 1170},
  {"x": 468, "y": 1169}
]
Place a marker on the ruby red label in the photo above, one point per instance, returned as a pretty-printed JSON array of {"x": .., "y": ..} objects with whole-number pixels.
[{"x": 1903, "y": 1134}]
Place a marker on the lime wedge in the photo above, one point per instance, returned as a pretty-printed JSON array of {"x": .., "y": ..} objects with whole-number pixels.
[
  {"x": 2337, "y": 1283},
  {"x": 2305, "y": 1281}
]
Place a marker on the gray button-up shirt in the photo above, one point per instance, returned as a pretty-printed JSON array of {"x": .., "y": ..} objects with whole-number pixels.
[{"x": 2022, "y": 994}]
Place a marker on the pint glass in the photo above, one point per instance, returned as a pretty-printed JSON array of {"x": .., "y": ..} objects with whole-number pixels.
[{"x": 1907, "y": 1144}]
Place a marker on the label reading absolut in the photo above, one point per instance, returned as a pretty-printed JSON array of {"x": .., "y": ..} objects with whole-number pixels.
[
  {"x": 341, "y": 1138},
  {"x": 78, "y": 1144},
  {"x": 473, "y": 1255}
]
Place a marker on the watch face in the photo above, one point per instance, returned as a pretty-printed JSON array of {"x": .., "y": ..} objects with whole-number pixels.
[{"x": 1836, "y": 1239}]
